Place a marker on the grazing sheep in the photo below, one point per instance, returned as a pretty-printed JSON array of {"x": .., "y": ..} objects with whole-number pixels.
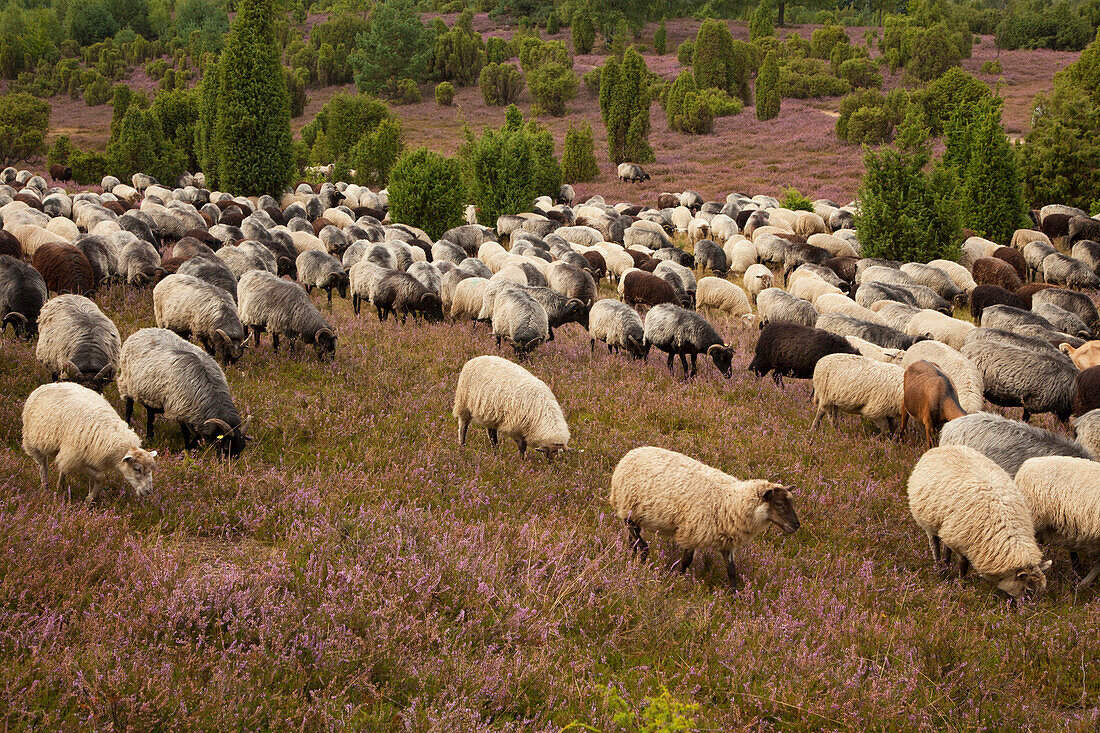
[
  {"x": 933, "y": 278},
  {"x": 631, "y": 173},
  {"x": 930, "y": 398},
  {"x": 963, "y": 373},
  {"x": 560, "y": 310},
  {"x": 1015, "y": 258},
  {"x": 100, "y": 256},
  {"x": 966, "y": 504},
  {"x": 1007, "y": 442},
  {"x": 858, "y": 386},
  {"x": 676, "y": 331},
  {"x": 779, "y": 306},
  {"x": 189, "y": 306},
  {"x": 874, "y": 351},
  {"x": 139, "y": 263},
  {"x": 1086, "y": 431},
  {"x": 361, "y": 278},
  {"x": 838, "y": 303},
  {"x": 986, "y": 296},
  {"x": 1063, "y": 270},
  {"x": 844, "y": 267},
  {"x": 519, "y": 319},
  {"x": 897, "y": 315},
  {"x": 1007, "y": 318},
  {"x": 868, "y": 294},
  {"x": 642, "y": 288},
  {"x": 757, "y": 279},
  {"x": 741, "y": 254},
  {"x": 268, "y": 303},
  {"x": 22, "y": 295},
  {"x": 1088, "y": 391},
  {"x": 935, "y": 325},
  {"x": 1087, "y": 251},
  {"x": 468, "y": 298},
  {"x": 211, "y": 270},
  {"x": 1079, "y": 304},
  {"x": 884, "y": 336},
  {"x": 958, "y": 274},
  {"x": 77, "y": 342},
  {"x": 64, "y": 268},
  {"x": 321, "y": 270},
  {"x": 708, "y": 255},
  {"x": 1062, "y": 320},
  {"x": 1022, "y": 236},
  {"x": 1020, "y": 340},
  {"x": 503, "y": 397},
  {"x": 793, "y": 350},
  {"x": 1016, "y": 377},
  {"x": 572, "y": 282},
  {"x": 722, "y": 295},
  {"x": 653, "y": 489},
  {"x": 1063, "y": 494},
  {"x": 173, "y": 377},
  {"x": 810, "y": 287},
  {"x": 1034, "y": 253},
  {"x": 82, "y": 432},
  {"x": 992, "y": 271},
  {"x": 619, "y": 327},
  {"x": 401, "y": 294},
  {"x": 1084, "y": 356}
]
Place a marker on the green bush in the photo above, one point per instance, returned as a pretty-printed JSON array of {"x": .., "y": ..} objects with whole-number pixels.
[
  {"x": 795, "y": 201},
  {"x": 553, "y": 25},
  {"x": 869, "y": 117},
  {"x": 685, "y": 110},
  {"x": 407, "y": 92},
  {"x": 296, "y": 90},
  {"x": 460, "y": 52},
  {"x": 426, "y": 191},
  {"x": 795, "y": 47},
  {"x": 177, "y": 111},
  {"x": 660, "y": 39},
  {"x": 444, "y": 94},
  {"x": 534, "y": 54},
  {"x": 23, "y": 124},
  {"x": 720, "y": 103},
  {"x": 97, "y": 92},
  {"x": 61, "y": 151},
  {"x": 760, "y": 21},
  {"x": 906, "y": 212},
  {"x": 952, "y": 91},
  {"x": 824, "y": 40},
  {"x": 376, "y": 153},
  {"x": 500, "y": 84},
  {"x": 583, "y": 30},
  {"x": 591, "y": 79},
  {"x": 715, "y": 63},
  {"x": 932, "y": 54},
  {"x": 553, "y": 86},
  {"x": 860, "y": 73},
  {"x": 497, "y": 50},
  {"x": 1056, "y": 28},
  {"x": 624, "y": 106},
  {"x": 397, "y": 46},
  {"x": 578, "y": 160},
  {"x": 993, "y": 68},
  {"x": 89, "y": 168},
  {"x": 140, "y": 147},
  {"x": 809, "y": 78},
  {"x": 93, "y": 23},
  {"x": 768, "y": 96},
  {"x": 684, "y": 53}
]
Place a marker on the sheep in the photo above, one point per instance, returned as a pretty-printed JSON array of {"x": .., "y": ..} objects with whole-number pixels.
[
  {"x": 173, "y": 377},
  {"x": 958, "y": 274},
  {"x": 1084, "y": 227},
  {"x": 936, "y": 325},
  {"x": 1007, "y": 318},
  {"x": 963, "y": 373},
  {"x": 81, "y": 431},
  {"x": 857, "y": 385},
  {"x": 401, "y": 294},
  {"x": 884, "y": 336},
  {"x": 212, "y": 270},
  {"x": 1007, "y": 442},
  {"x": 619, "y": 327},
  {"x": 700, "y": 506},
  {"x": 708, "y": 255},
  {"x": 469, "y": 296},
  {"x": 844, "y": 267},
  {"x": 242, "y": 259},
  {"x": 1087, "y": 252},
  {"x": 985, "y": 296},
  {"x": 1034, "y": 253},
  {"x": 896, "y": 315},
  {"x": 1062, "y": 320},
  {"x": 361, "y": 279},
  {"x": 838, "y": 303},
  {"x": 868, "y": 294},
  {"x": 139, "y": 263},
  {"x": 560, "y": 310},
  {"x": 519, "y": 319},
  {"x": 741, "y": 254},
  {"x": 992, "y": 271},
  {"x": 1085, "y": 356},
  {"x": 64, "y": 268},
  {"x": 572, "y": 282},
  {"x": 23, "y": 292},
  {"x": 1033, "y": 343},
  {"x": 1063, "y": 270},
  {"x": 77, "y": 342},
  {"x": 775, "y": 306},
  {"x": 721, "y": 295},
  {"x": 874, "y": 351},
  {"x": 934, "y": 278},
  {"x": 321, "y": 270},
  {"x": 1079, "y": 304},
  {"x": 930, "y": 397},
  {"x": 1063, "y": 494},
  {"x": 32, "y": 237},
  {"x": 1016, "y": 377},
  {"x": 267, "y": 303},
  {"x": 967, "y": 504},
  {"x": 101, "y": 256},
  {"x": 810, "y": 288},
  {"x": 1087, "y": 391},
  {"x": 793, "y": 350},
  {"x": 1086, "y": 431},
  {"x": 642, "y": 288},
  {"x": 189, "y": 306},
  {"x": 1022, "y": 236},
  {"x": 631, "y": 173},
  {"x": 675, "y": 331},
  {"x": 757, "y": 279},
  {"x": 503, "y": 397}
]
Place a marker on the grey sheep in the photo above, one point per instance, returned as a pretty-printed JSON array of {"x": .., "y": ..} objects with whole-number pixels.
[
  {"x": 1018, "y": 339},
  {"x": 448, "y": 283},
  {"x": 22, "y": 294},
  {"x": 1086, "y": 431},
  {"x": 897, "y": 315},
  {"x": 778, "y": 306},
  {"x": 317, "y": 269},
  {"x": 868, "y": 294},
  {"x": 428, "y": 275},
  {"x": 268, "y": 303},
  {"x": 559, "y": 309},
  {"x": 77, "y": 342},
  {"x": 1074, "y": 302},
  {"x": 173, "y": 377},
  {"x": 211, "y": 270},
  {"x": 1008, "y": 443},
  {"x": 934, "y": 278},
  {"x": 188, "y": 306},
  {"x": 1007, "y": 318},
  {"x": 677, "y": 331},
  {"x": 519, "y": 319},
  {"x": 1016, "y": 377},
  {"x": 1034, "y": 254},
  {"x": 400, "y": 293},
  {"x": 444, "y": 250},
  {"x": 475, "y": 267},
  {"x": 927, "y": 298},
  {"x": 241, "y": 260},
  {"x": 619, "y": 327},
  {"x": 876, "y": 333},
  {"x": 139, "y": 263},
  {"x": 1061, "y": 319},
  {"x": 1060, "y": 269},
  {"x": 572, "y": 282},
  {"x": 101, "y": 256},
  {"x": 709, "y": 255}
]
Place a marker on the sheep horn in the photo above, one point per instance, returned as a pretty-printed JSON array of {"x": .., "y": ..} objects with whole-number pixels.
[
  {"x": 106, "y": 374},
  {"x": 222, "y": 424},
  {"x": 16, "y": 319},
  {"x": 1066, "y": 348},
  {"x": 324, "y": 331},
  {"x": 222, "y": 335}
]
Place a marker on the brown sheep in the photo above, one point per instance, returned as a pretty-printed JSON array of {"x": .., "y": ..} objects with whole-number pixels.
[
  {"x": 320, "y": 223},
  {"x": 929, "y": 397},
  {"x": 1088, "y": 391},
  {"x": 984, "y": 296},
  {"x": 993, "y": 271},
  {"x": 60, "y": 172},
  {"x": 1015, "y": 258},
  {"x": 9, "y": 245},
  {"x": 1026, "y": 291},
  {"x": 642, "y": 288},
  {"x": 1055, "y": 225},
  {"x": 64, "y": 268},
  {"x": 597, "y": 265}
]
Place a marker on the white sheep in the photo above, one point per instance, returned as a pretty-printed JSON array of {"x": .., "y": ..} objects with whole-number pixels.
[
  {"x": 468, "y": 298},
  {"x": 81, "y": 431},
  {"x": 967, "y": 504},
  {"x": 874, "y": 351},
  {"x": 858, "y": 385},
  {"x": 619, "y": 326},
  {"x": 840, "y": 303},
  {"x": 1063, "y": 494},
  {"x": 741, "y": 253},
  {"x": 810, "y": 287},
  {"x": 717, "y": 294},
  {"x": 700, "y": 506},
  {"x": 958, "y": 274},
  {"x": 503, "y": 397},
  {"x": 963, "y": 373},
  {"x": 943, "y": 328},
  {"x": 757, "y": 279}
]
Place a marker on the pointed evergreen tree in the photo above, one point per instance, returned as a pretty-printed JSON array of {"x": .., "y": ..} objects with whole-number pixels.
[
  {"x": 660, "y": 39},
  {"x": 205, "y": 141},
  {"x": 990, "y": 192},
  {"x": 624, "y": 104},
  {"x": 578, "y": 160},
  {"x": 767, "y": 89},
  {"x": 583, "y": 30},
  {"x": 252, "y": 131}
]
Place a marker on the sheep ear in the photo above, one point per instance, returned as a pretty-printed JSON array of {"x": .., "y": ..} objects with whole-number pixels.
[
  {"x": 767, "y": 495},
  {"x": 152, "y": 454},
  {"x": 1045, "y": 565}
]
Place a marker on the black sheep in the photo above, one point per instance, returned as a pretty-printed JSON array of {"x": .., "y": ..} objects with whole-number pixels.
[
  {"x": 984, "y": 296},
  {"x": 22, "y": 295},
  {"x": 793, "y": 350},
  {"x": 1088, "y": 391}
]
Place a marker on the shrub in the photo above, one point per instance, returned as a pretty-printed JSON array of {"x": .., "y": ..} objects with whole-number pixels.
[
  {"x": 252, "y": 132},
  {"x": 760, "y": 22},
  {"x": 795, "y": 201},
  {"x": 578, "y": 160},
  {"x": 89, "y": 168},
  {"x": 713, "y": 61},
  {"x": 140, "y": 147},
  {"x": 23, "y": 124},
  {"x": 660, "y": 39},
  {"x": 768, "y": 97},
  {"x": 97, "y": 92},
  {"x": 869, "y": 117},
  {"x": 684, "y": 53},
  {"x": 954, "y": 90},
  {"x": 721, "y": 104},
  {"x": 932, "y": 54},
  {"x": 459, "y": 52},
  {"x": 534, "y": 53},
  {"x": 497, "y": 50},
  {"x": 397, "y": 46},
  {"x": 552, "y": 86},
  {"x": 583, "y": 30},
  {"x": 824, "y": 40},
  {"x": 685, "y": 110},
  {"x": 376, "y": 153},
  {"x": 1056, "y": 28},
  {"x": 61, "y": 151},
  {"x": 809, "y": 78},
  {"x": 177, "y": 111},
  {"x": 425, "y": 190},
  {"x": 553, "y": 25},
  {"x": 624, "y": 106},
  {"x": 993, "y": 68},
  {"x": 296, "y": 90},
  {"x": 93, "y": 23},
  {"x": 860, "y": 73},
  {"x": 907, "y": 213},
  {"x": 500, "y": 84},
  {"x": 795, "y": 47},
  {"x": 407, "y": 92},
  {"x": 591, "y": 79},
  {"x": 444, "y": 94}
]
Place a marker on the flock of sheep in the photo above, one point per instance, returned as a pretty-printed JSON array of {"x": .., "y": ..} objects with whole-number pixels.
[{"x": 878, "y": 338}]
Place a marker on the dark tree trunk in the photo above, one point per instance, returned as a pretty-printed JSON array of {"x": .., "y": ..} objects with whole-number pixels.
[{"x": 782, "y": 13}]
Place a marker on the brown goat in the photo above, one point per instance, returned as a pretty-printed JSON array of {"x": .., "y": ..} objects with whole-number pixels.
[
  {"x": 64, "y": 268},
  {"x": 930, "y": 397},
  {"x": 993, "y": 271}
]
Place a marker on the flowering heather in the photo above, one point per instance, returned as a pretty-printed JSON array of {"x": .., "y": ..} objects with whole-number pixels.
[{"x": 356, "y": 569}]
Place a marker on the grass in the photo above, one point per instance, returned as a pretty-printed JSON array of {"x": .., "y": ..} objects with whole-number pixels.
[{"x": 357, "y": 569}]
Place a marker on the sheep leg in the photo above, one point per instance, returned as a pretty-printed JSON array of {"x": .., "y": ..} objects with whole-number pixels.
[
  {"x": 637, "y": 544},
  {"x": 275, "y": 341},
  {"x": 498, "y": 342},
  {"x": 551, "y": 338},
  {"x": 189, "y": 441},
  {"x": 904, "y": 423},
  {"x": 355, "y": 304},
  {"x": 463, "y": 426},
  {"x": 1027, "y": 415},
  {"x": 329, "y": 299},
  {"x": 129, "y": 409},
  {"x": 1087, "y": 580},
  {"x": 255, "y": 335},
  {"x": 493, "y": 437},
  {"x": 381, "y": 313},
  {"x": 934, "y": 544},
  {"x": 521, "y": 444},
  {"x": 43, "y": 470},
  {"x": 817, "y": 419},
  {"x": 1076, "y": 564},
  {"x": 694, "y": 364},
  {"x": 731, "y": 571},
  {"x": 670, "y": 358},
  {"x": 684, "y": 364},
  {"x": 964, "y": 565},
  {"x": 685, "y": 560},
  {"x": 150, "y": 415},
  {"x": 97, "y": 485},
  {"x": 947, "y": 554}
]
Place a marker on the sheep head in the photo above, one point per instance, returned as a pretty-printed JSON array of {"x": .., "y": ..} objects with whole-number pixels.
[
  {"x": 1029, "y": 581},
  {"x": 324, "y": 341},
  {"x": 18, "y": 323},
  {"x": 227, "y": 351},
  {"x": 137, "y": 468},
  {"x": 780, "y": 508},
  {"x": 230, "y": 441},
  {"x": 639, "y": 349},
  {"x": 431, "y": 306},
  {"x": 722, "y": 356}
]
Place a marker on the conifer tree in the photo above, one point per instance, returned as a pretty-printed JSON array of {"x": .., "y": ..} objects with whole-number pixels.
[
  {"x": 990, "y": 193},
  {"x": 578, "y": 160},
  {"x": 624, "y": 104},
  {"x": 767, "y": 89},
  {"x": 583, "y": 31},
  {"x": 660, "y": 39}
]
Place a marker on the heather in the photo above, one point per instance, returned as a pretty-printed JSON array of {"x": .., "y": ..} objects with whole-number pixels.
[{"x": 356, "y": 568}]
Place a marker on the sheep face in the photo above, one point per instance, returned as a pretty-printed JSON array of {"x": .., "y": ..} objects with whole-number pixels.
[
  {"x": 550, "y": 451},
  {"x": 324, "y": 342},
  {"x": 638, "y": 349},
  {"x": 576, "y": 312},
  {"x": 722, "y": 356},
  {"x": 95, "y": 382},
  {"x": 230, "y": 441},
  {"x": 1029, "y": 581},
  {"x": 23, "y": 328},
  {"x": 780, "y": 509},
  {"x": 226, "y": 350},
  {"x": 431, "y": 307},
  {"x": 137, "y": 468}
]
